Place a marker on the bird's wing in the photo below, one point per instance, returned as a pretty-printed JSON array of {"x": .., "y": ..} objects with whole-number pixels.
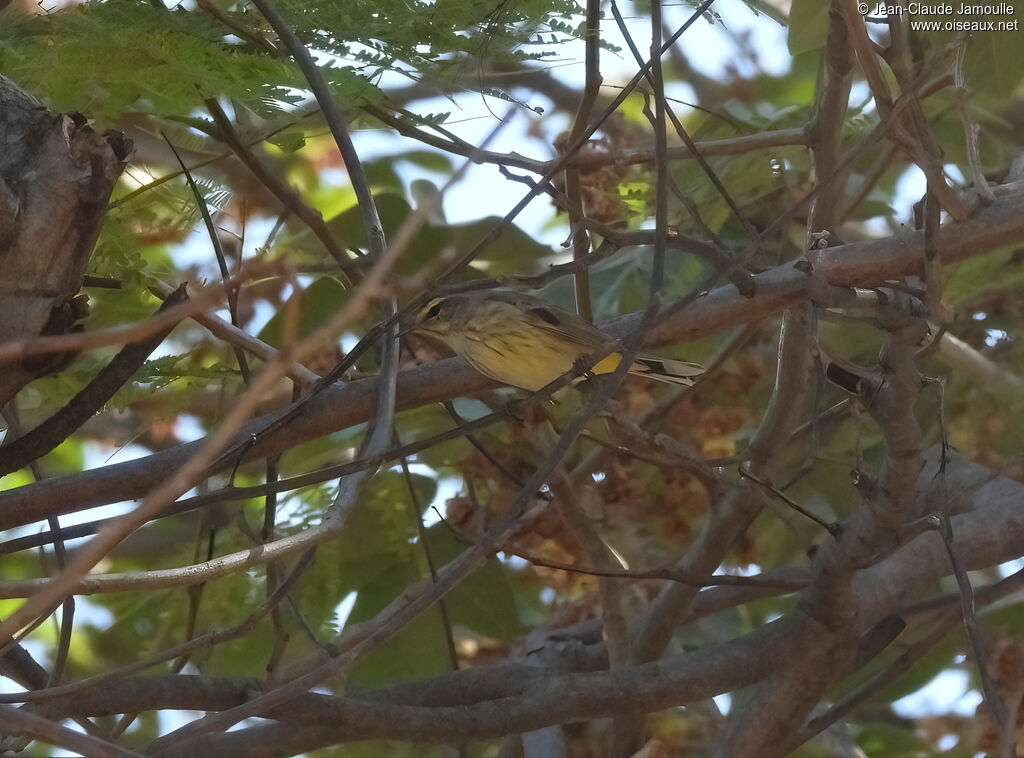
[
  {"x": 567, "y": 326},
  {"x": 555, "y": 321},
  {"x": 666, "y": 370}
]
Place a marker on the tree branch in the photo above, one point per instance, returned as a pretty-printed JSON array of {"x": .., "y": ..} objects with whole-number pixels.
[
  {"x": 506, "y": 698},
  {"x": 855, "y": 264}
]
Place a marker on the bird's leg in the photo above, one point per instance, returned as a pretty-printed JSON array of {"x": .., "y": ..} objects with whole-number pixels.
[{"x": 581, "y": 369}]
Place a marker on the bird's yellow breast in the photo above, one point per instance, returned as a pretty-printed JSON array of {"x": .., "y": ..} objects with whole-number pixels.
[{"x": 529, "y": 358}]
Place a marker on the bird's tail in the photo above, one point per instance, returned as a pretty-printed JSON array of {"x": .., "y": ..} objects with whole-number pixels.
[{"x": 665, "y": 370}]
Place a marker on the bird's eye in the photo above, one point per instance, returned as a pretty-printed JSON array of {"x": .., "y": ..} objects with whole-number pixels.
[{"x": 434, "y": 312}]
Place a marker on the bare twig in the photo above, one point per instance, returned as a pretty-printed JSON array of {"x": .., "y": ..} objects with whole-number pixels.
[
  {"x": 999, "y": 708},
  {"x": 337, "y": 125},
  {"x": 182, "y": 650},
  {"x": 589, "y": 161}
]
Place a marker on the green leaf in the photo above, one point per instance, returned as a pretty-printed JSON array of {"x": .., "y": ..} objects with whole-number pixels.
[
  {"x": 923, "y": 671},
  {"x": 894, "y": 742},
  {"x": 808, "y": 25},
  {"x": 153, "y": 60},
  {"x": 317, "y": 303},
  {"x": 417, "y": 651},
  {"x": 428, "y": 159},
  {"x": 383, "y": 175},
  {"x": 994, "y": 59},
  {"x": 996, "y": 271},
  {"x": 513, "y": 251},
  {"x": 288, "y": 141},
  {"x": 485, "y": 602}
]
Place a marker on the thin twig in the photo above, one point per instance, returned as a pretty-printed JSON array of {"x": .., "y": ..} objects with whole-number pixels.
[
  {"x": 210, "y": 639},
  {"x": 589, "y": 161},
  {"x": 287, "y": 195},
  {"x": 691, "y": 146},
  {"x": 669, "y": 572},
  {"x": 218, "y": 250},
  {"x": 163, "y": 320},
  {"x": 15, "y": 721},
  {"x": 971, "y": 129},
  {"x": 428, "y": 555},
  {"x": 88, "y": 401},
  {"x": 239, "y": 338},
  {"x": 944, "y": 527},
  {"x": 573, "y": 187},
  {"x": 336, "y": 123}
]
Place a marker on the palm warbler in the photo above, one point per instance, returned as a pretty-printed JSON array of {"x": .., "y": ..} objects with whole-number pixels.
[{"x": 523, "y": 341}]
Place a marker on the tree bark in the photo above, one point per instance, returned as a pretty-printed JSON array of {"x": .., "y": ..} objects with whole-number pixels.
[{"x": 56, "y": 176}]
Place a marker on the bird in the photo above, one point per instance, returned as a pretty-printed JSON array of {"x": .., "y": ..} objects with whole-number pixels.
[{"x": 524, "y": 341}]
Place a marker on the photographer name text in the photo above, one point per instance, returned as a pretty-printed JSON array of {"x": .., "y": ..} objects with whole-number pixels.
[{"x": 941, "y": 9}]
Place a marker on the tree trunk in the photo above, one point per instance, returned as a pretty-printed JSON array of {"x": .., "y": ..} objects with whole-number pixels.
[{"x": 56, "y": 176}]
